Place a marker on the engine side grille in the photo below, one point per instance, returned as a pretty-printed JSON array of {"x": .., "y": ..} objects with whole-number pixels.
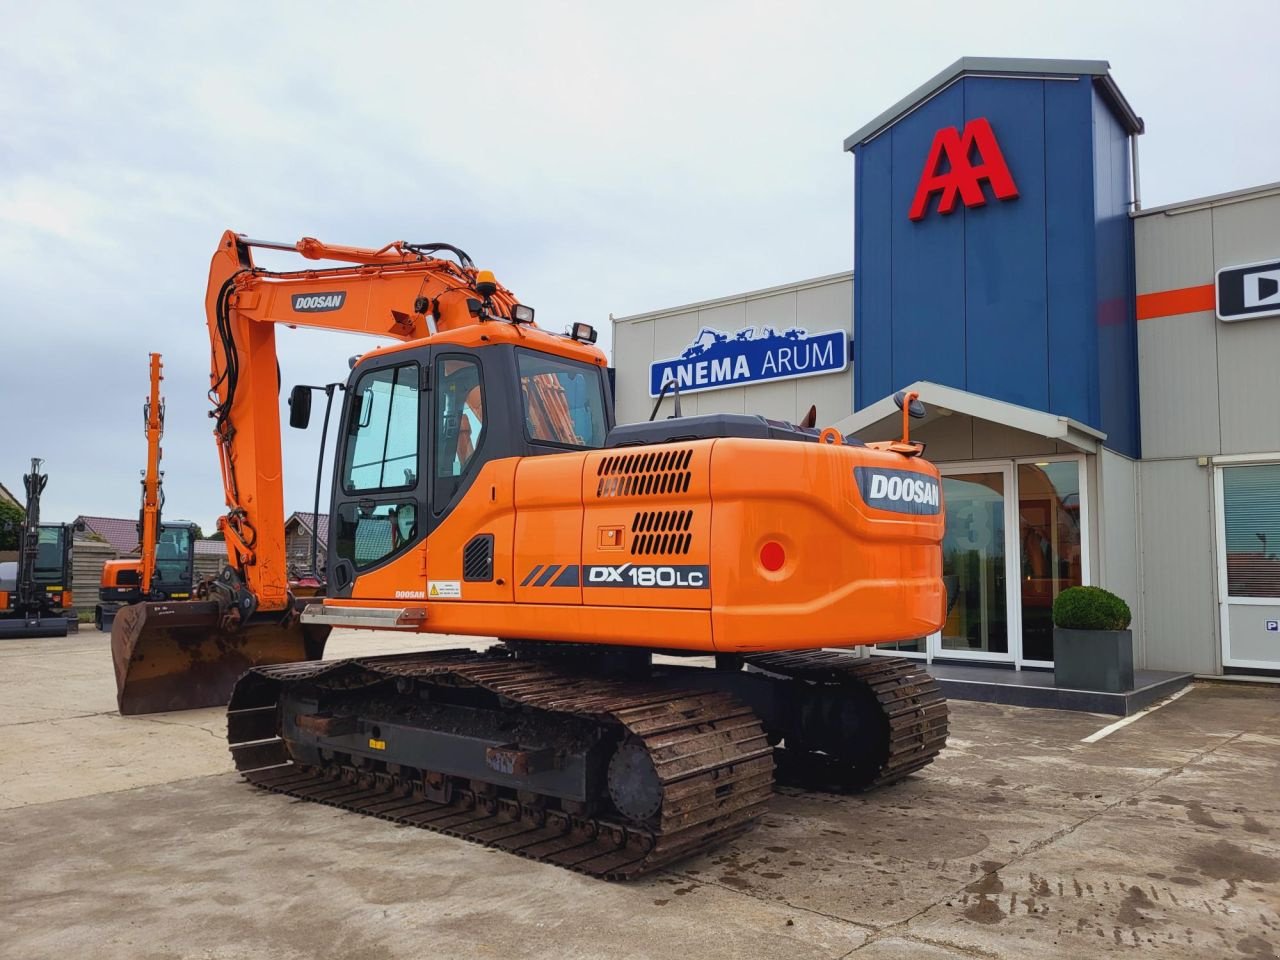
[
  {"x": 653, "y": 473},
  {"x": 662, "y": 532},
  {"x": 477, "y": 559}
]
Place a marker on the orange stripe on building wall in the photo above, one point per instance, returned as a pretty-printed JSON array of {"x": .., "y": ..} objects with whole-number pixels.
[{"x": 1168, "y": 303}]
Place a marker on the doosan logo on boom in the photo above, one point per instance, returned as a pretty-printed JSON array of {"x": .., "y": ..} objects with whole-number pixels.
[{"x": 318, "y": 302}]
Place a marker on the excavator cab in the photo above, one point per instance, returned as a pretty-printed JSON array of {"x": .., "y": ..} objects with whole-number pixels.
[
  {"x": 175, "y": 560},
  {"x": 420, "y": 423},
  {"x": 173, "y": 574},
  {"x": 35, "y": 591}
]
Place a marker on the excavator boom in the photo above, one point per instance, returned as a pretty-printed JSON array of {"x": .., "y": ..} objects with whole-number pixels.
[{"x": 151, "y": 503}]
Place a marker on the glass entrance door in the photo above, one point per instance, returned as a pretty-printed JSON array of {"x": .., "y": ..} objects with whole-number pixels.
[
  {"x": 982, "y": 621},
  {"x": 1248, "y": 498}
]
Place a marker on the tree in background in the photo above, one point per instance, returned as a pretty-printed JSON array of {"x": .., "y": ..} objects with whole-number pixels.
[{"x": 11, "y": 517}]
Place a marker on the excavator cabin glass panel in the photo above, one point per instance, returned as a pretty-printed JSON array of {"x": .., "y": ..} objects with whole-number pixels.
[
  {"x": 382, "y": 434},
  {"x": 563, "y": 401},
  {"x": 50, "y": 553},
  {"x": 369, "y": 534},
  {"x": 174, "y": 556},
  {"x": 459, "y": 425}
]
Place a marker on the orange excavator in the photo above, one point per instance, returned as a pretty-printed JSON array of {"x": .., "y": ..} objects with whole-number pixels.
[
  {"x": 481, "y": 487},
  {"x": 166, "y": 568}
]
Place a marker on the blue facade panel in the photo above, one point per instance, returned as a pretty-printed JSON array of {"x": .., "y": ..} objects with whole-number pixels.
[
  {"x": 1029, "y": 300},
  {"x": 1006, "y": 342},
  {"x": 1116, "y": 300},
  {"x": 872, "y": 300},
  {"x": 1073, "y": 334},
  {"x": 927, "y": 270}
]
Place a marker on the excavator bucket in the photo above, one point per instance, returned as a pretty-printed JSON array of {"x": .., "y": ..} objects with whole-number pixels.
[{"x": 179, "y": 656}]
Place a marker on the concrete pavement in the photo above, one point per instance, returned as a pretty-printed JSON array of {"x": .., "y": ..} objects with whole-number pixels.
[{"x": 132, "y": 837}]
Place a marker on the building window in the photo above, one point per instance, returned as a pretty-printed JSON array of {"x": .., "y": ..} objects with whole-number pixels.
[
  {"x": 1052, "y": 547},
  {"x": 1251, "y": 513}
]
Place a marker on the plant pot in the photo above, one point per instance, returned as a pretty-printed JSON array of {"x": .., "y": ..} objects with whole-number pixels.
[{"x": 1093, "y": 659}]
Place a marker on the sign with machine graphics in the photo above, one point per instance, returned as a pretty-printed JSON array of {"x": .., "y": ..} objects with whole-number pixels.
[
  {"x": 717, "y": 359},
  {"x": 950, "y": 170},
  {"x": 1247, "y": 291}
]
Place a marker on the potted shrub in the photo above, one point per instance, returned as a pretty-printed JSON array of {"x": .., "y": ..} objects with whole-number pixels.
[{"x": 1092, "y": 643}]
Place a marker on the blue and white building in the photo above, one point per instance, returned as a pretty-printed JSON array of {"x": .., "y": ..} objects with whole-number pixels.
[{"x": 1100, "y": 377}]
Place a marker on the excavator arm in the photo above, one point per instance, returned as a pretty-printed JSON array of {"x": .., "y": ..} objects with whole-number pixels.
[{"x": 151, "y": 503}]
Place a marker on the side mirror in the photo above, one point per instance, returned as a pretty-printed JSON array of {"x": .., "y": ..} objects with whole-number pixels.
[
  {"x": 80, "y": 526},
  {"x": 916, "y": 408},
  {"x": 299, "y": 407}
]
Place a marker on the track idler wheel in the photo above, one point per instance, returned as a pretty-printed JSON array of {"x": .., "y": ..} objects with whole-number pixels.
[
  {"x": 634, "y": 785},
  {"x": 843, "y": 741}
]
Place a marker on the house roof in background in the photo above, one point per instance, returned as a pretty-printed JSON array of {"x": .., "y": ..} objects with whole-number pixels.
[
  {"x": 121, "y": 534},
  {"x": 6, "y": 495},
  {"x": 307, "y": 521},
  {"x": 210, "y": 548}
]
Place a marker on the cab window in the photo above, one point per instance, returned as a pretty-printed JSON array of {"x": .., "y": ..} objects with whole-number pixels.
[
  {"x": 49, "y": 551},
  {"x": 563, "y": 401},
  {"x": 381, "y": 445},
  {"x": 459, "y": 428},
  {"x": 368, "y": 534}
]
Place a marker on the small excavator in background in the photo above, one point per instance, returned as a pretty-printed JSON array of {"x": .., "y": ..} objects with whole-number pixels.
[
  {"x": 35, "y": 591},
  {"x": 166, "y": 568},
  {"x": 481, "y": 487}
]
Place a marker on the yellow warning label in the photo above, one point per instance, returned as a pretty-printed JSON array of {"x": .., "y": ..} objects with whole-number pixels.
[{"x": 377, "y": 744}]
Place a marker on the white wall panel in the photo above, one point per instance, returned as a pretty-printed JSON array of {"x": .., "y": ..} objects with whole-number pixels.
[{"x": 1179, "y": 605}]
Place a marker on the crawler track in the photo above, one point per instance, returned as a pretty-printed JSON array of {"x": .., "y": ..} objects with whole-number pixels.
[
  {"x": 901, "y": 704},
  {"x": 710, "y": 753},
  {"x": 844, "y": 724}
]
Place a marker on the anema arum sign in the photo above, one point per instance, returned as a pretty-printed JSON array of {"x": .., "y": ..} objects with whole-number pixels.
[{"x": 717, "y": 359}]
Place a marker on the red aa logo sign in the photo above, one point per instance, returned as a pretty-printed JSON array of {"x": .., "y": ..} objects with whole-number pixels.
[{"x": 957, "y": 165}]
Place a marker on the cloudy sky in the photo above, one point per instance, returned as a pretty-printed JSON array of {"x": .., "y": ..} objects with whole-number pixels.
[{"x": 598, "y": 157}]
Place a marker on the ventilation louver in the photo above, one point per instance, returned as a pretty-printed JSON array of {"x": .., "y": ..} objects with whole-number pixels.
[
  {"x": 653, "y": 473},
  {"x": 661, "y": 532},
  {"x": 477, "y": 559}
]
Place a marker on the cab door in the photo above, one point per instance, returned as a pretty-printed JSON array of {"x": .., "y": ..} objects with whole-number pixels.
[{"x": 380, "y": 488}]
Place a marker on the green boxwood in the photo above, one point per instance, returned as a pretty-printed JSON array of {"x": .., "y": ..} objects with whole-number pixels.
[{"x": 1090, "y": 608}]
